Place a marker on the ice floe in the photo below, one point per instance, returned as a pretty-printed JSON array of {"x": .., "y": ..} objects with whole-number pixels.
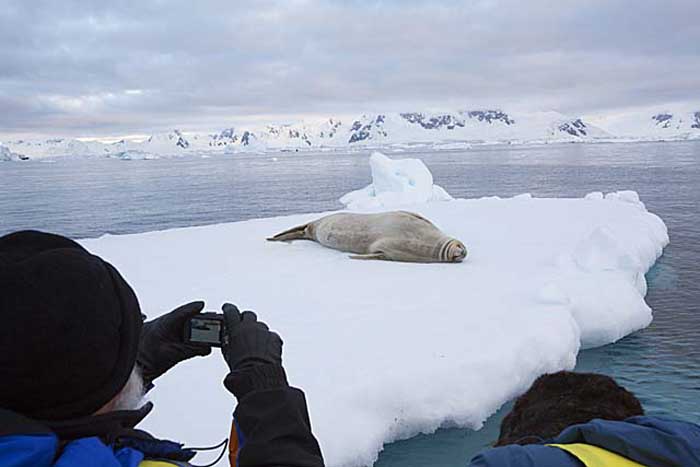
[{"x": 387, "y": 350}]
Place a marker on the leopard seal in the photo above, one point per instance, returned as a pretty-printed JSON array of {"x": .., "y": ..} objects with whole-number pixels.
[{"x": 391, "y": 236}]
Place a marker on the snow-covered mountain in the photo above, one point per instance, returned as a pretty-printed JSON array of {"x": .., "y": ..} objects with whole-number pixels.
[
  {"x": 655, "y": 124},
  {"x": 57, "y": 147},
  {"x": 442, "y": 129},
  {"x": 415, "y": 127}
]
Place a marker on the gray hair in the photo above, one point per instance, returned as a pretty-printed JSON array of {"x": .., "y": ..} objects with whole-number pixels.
[{"x": 131, "y": 397}]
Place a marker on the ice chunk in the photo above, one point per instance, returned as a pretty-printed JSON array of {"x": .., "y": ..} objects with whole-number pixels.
[
  {"x": 6, "y": 155},
  {"x": 387, "y": 350},
  {"x": 440, "y": 194},
  {"x": 626, "y": 196},
  {"x": 597, "y": 195},
  {"x": 395, "y": 183}
]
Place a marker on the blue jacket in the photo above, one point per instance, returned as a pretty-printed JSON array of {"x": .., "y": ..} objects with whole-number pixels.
[
  {"x": 650, "y": 441},
  {"x": 113, "y": 443},
  {"x": 271, "y": 428}
]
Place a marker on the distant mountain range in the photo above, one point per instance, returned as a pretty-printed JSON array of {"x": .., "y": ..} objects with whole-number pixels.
[{"x": 442, "y": 130}]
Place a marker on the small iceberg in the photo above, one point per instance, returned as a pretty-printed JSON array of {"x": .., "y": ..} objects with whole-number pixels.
[
  {"x": 395, "y": 183},
  {"x": 6, "y": 155}
]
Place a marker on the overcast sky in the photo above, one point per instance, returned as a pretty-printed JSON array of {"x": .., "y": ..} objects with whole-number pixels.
[{"x": 99, "y": 68}]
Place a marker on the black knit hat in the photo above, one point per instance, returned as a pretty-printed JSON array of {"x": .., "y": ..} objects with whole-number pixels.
[{"x": 69, "y": 327}]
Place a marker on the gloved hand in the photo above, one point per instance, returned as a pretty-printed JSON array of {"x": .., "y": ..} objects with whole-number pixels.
[
  {"x": 163, "y": 344},
  {"x": 252, "y": 352}
]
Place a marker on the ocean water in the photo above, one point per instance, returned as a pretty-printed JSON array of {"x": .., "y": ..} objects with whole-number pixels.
[{"x": 85, "y": 197}]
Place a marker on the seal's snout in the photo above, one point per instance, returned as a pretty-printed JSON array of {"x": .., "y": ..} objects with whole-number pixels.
[{"x": 456, "y": 251}]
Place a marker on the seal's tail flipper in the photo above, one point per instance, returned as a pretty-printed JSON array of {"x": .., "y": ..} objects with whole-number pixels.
[
  {"x": 295, "y": 233},
  {"x": 369, "y": 256}
]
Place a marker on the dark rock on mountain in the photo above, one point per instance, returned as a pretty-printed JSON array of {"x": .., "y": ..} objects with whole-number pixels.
[
  {"x": 451, "y": 122},
  {"x": 333, "y": 129},
  {"x": 574, "y": 128},
  {"x": 224, "y": 138},
  {"x": 663, "y": 120},
  {"x": 435, "y": 122},
  {"x": 363, "y": 131},
  {"x": 246, "y": 138},
  {"x": 491, "y": 116}
]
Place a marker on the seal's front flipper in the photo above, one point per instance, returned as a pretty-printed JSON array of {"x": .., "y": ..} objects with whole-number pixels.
[
  {"x": 369, "y": 256},
  {"x": 295, "y": 233}
]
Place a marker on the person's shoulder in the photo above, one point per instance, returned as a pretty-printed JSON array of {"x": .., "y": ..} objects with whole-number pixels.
[
  {"x": 94, "y": 451},
  {"x": 644, "y": 426},
  {"x": 668, "y": 424},
  {"x": 24, "y": 441},
  {"x": 12, "y": 423},
  {"x": 153, "y": 452},
  {"x": 669, "y": 431},
  {"x": 530, "y": 455},
  {"x": 644, "y": 439}
]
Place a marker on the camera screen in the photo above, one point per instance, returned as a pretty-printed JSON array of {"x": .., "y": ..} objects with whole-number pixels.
[{"x": 205, "y": 330}]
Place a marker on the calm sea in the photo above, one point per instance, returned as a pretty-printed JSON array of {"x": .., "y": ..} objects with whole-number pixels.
[{"x": 85, "y": 197}]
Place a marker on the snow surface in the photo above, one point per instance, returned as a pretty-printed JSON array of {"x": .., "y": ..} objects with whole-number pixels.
[
  {"x": 395, "y": 183},
  {"x": 386, "y": 350}
]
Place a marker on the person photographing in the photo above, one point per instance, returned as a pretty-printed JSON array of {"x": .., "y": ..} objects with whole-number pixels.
[{"x": 77, "y": 359}]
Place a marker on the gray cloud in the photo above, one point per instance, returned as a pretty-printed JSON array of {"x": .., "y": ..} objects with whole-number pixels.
[{"x": 83, "y": 67}]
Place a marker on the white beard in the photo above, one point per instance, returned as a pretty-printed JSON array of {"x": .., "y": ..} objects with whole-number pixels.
[{"x": 132, "y": 394}]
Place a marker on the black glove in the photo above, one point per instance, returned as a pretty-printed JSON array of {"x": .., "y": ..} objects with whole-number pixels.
[
  {"x": 163, "y": 344},
  {"x": 252, "y": 352}
]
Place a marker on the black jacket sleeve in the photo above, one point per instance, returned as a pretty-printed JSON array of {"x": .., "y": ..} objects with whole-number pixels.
[{"x": 271, "y": 426}]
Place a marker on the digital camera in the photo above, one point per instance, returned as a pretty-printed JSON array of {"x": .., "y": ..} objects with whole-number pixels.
[{"x": 206, "y": 328}]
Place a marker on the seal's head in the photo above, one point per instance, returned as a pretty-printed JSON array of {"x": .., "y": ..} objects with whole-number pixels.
[{"x": 453, "y": 251}]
